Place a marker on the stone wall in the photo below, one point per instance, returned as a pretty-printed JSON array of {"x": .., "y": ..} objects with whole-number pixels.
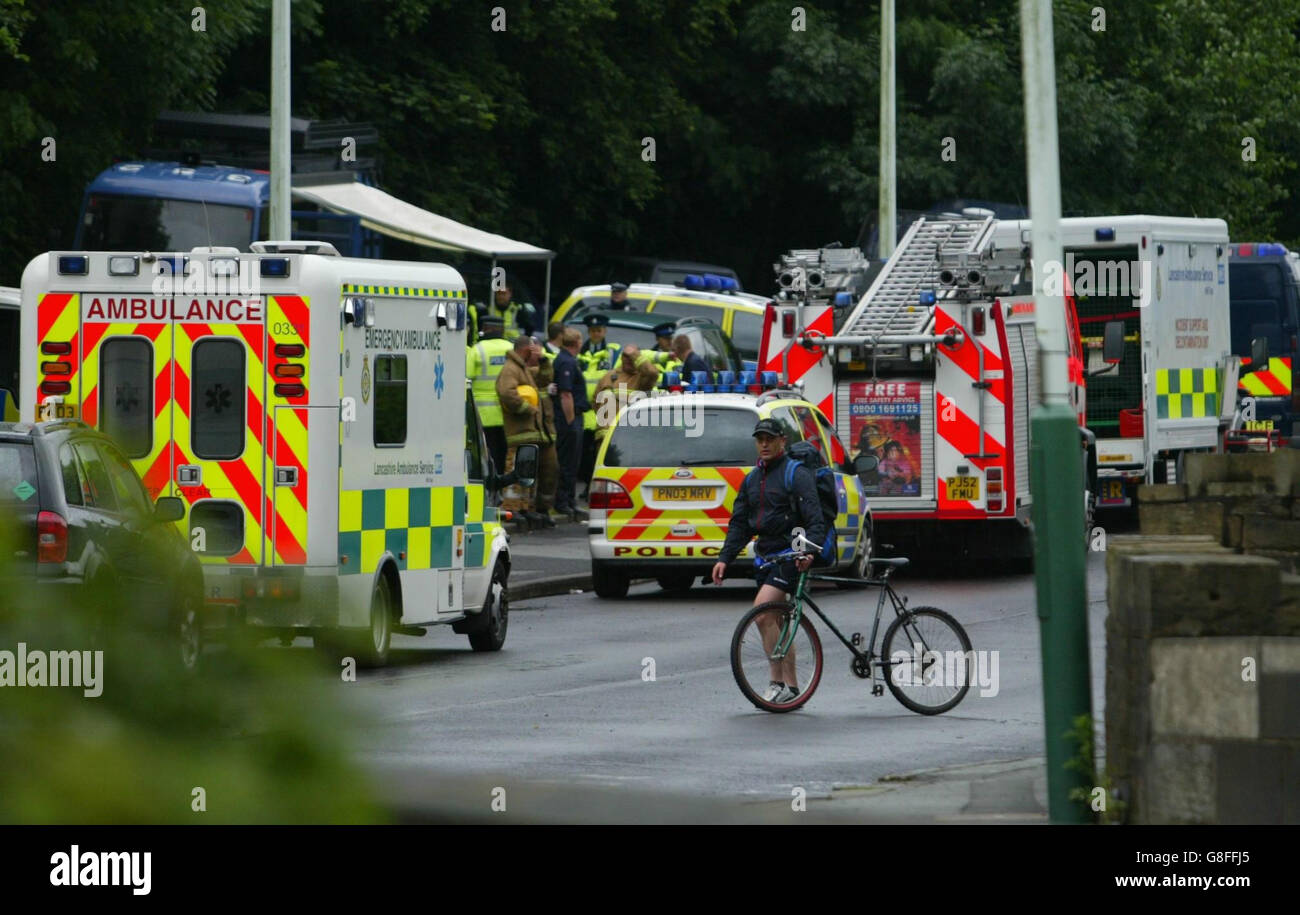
[{"x": 1203, "y": 646}]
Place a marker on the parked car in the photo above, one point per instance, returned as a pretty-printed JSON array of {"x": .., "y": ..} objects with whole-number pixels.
[
  {"x": 81, "y": 530},
  {"x": 707, "y": 338},
  {"x": 648, "y": 270},
  {"x": 739, "y": 314}
]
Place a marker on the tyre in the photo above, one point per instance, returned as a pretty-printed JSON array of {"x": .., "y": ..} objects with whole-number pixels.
[
  {"x": 861, "y": 565},
  {"x": 608, "y": 583},
  {"x": 677, "y": 582},
  {"x": 927, "y": 685},
  {"x": 487, "y": 630},
  {"x": 760, "y": 631},
  {"x": 371, "y": 646}
]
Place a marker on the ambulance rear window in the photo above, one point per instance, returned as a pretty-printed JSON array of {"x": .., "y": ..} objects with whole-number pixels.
[
  {"x": 218, "y": 398},
  {"x": 126, "y": 394}
]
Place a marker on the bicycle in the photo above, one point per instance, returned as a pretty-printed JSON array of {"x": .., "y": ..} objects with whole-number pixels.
[{"x": 778, "y": 636}]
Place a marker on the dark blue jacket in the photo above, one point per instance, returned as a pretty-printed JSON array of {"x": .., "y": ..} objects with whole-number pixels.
[
  {"x": 764, "y": 507},
  {"x": 695, "y": 363}
]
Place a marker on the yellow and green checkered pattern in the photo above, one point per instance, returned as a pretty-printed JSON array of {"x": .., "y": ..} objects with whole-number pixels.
[
  {"x": 404, "y": 290},
  {"x": 1187, "y": 393},
  {"x": 415, "y": 525}
]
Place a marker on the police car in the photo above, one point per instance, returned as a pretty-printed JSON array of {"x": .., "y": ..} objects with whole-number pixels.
[
  {"x": 739, "y": 314},
  {"x": 667, "y": 476}
]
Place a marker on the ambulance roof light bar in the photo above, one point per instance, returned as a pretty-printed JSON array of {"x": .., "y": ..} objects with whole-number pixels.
[{"x": 295, "y": 247}]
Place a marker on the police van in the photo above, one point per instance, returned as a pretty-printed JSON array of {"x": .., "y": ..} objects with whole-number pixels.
[{"x": 308, "y": 409}]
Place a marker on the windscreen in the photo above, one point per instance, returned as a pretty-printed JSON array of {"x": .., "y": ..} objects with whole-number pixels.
[
  {"x": 678, "y": 433},
  {"x": 1257, "y": 295},
  {"x": 153, "y": 224}
]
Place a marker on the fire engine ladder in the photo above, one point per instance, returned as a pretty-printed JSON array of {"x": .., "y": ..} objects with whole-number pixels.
[{"x": 891, "y": 312}]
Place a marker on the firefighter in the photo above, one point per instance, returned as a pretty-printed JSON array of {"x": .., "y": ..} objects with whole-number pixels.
[
  {"x": 517, "y": 318},
  {"x": 634, "y": 372},
  {"x": 483, "y": 362},
  {"x": 548, "y": 459},
  {"x": 524, "y": 424}
]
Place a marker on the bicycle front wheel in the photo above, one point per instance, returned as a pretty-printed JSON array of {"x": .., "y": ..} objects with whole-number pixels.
[
  {"x": 928, "y": 661},
  {"x": 763, "y": 655}
]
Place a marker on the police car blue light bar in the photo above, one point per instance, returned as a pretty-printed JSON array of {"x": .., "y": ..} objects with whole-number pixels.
[
  {"x": 843, "y": 299},
  {"x": 927, "y": 297},
  {"x": 1104, "y": 235}
]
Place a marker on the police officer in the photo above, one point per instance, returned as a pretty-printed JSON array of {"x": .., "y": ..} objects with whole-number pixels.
[
  {"x": 483, "y": 362},
  {"x": 618, "y": 296},
  {"x": 662, "y": 355},
  {"x": 597, "y": 326},
  {"x": 570, "y": 403},
  {"x": 597, "y": 356},
  {"x": 517, "y": 318}
]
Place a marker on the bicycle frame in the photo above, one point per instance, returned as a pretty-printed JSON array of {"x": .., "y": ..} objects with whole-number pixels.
[{"x": 801, "y": 596}]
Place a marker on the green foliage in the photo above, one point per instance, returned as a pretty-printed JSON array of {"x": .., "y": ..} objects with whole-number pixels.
[
  {"x": 765, "y": 137},
  {"x": 1083, "y": 762}
]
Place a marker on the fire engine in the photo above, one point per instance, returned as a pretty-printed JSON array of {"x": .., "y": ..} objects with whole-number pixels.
[
  {"x": 308, "y": 407},
  {"x": 933, "y": 369}
]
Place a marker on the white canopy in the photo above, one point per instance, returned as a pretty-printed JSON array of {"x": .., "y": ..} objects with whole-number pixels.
[{"x": 384, "y": 213}]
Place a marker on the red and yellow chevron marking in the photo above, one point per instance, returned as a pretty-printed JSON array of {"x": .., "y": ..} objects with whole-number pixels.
[
  {"x": 654, "y": 524},
  {"x": 287, "y": 321},
  {"x": 58, "y": 320},
  {"x": 817, "y": 389},
  {"x": 1274, "y": 381},
  {"x": 240, "y": 479}
]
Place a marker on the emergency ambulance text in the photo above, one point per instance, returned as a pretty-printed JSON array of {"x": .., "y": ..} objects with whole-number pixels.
[{"x": 107, "y": 309}]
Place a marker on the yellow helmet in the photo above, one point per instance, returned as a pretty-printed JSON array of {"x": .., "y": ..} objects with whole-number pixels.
[{"x": 528, "y": 393}]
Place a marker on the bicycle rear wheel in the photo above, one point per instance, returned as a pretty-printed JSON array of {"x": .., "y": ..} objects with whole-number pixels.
[
  {"x": 934, "y": 664},
  {"x": 758, "y": 634}
]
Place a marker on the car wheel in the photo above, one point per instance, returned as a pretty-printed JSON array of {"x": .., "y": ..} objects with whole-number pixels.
[
  {"x": 371, "y": 646},
  {"x": 608, "y": 583},
  {"x": 860, "y": 568},
  {"x": 488, "y": 630}
]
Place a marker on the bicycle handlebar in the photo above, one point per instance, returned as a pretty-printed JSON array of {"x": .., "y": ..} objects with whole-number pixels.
[{"x": 762, "y": 562}]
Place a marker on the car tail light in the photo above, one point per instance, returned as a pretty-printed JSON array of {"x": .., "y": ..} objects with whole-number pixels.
[
  {"x": 56, "y": 368},
  {"x": 787, "y": 323},
  {"x": 993, "y": 485},
  {"x": 289, "y": 390},
  {"x": 56, "y": 348},
  {"x": 608, "y": 495},
  {"x": 55, "y": 387},
  {"x": 977, "y": 321},
  {"x": 51, "y": 538},
  {"x": 289, "y": 370}
]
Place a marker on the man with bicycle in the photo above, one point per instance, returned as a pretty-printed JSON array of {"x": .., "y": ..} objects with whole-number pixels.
[{"x": 765, "y": 508}]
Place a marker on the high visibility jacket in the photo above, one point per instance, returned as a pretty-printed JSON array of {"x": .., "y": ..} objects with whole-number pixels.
[
  {"x": 483, "y": 362},
  {"x": 595, "y": 365},
  {"x": 515, "y": 317}
]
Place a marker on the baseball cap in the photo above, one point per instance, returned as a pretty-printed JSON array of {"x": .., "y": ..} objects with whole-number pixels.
[{"x": 769, "y": 427}]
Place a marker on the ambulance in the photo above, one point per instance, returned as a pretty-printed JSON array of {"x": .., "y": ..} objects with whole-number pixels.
[{"x": 308, "y": 408}]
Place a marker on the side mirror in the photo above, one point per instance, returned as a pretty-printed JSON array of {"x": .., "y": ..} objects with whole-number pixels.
[
  {"x": 865, "y": 464},
  {"x": 1258, "y": 354},
  {"x": 1112, "y": 347},
  {"x": 526, "y": 465},
  {"x": 168, "y": 509}
]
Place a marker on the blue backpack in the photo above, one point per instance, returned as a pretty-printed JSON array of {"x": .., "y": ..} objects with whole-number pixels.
[{"x": 806, "y": 453}]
